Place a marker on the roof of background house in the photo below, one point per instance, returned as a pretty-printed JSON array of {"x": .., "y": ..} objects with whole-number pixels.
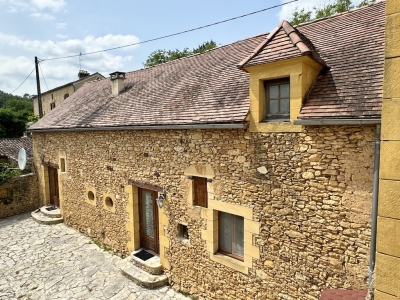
[
  {"x": 10, "y": 147},
  {"x": 69, "y": 83},
  {"x": 209, "y": 88}
]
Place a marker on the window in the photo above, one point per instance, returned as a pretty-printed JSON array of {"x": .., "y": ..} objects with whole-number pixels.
[
  {"x": 231, "y": 235},
  {"x": 6, "y": 193},
  {"x": 183, "y": 232},
  {"x": 66, "y": 96},
  {"x": 200, "y": 195},
  {"x": 52, "y": 105},
  {"x": 277, "y": 99},
  {"x": 62, "y": 164}
]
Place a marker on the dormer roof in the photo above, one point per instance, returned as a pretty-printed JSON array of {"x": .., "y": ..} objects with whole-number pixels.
[{"x": 284, "y": 42}]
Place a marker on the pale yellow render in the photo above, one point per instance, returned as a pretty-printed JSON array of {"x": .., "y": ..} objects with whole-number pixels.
[{"x": 387, "y": 284}]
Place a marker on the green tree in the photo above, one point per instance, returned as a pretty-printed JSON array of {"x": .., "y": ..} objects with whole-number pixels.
[
  {"x": 6, "y": 173},
  {"x": 162, "y": 56},
  {"x": 15, "y": 113},
  {"x": 12, "y": 124},
  {"x": 324, "y": 10}
]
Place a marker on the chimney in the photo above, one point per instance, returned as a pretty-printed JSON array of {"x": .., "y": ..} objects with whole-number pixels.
[
  {"x": 117, "y": 82},
  {"x": 83, "y": 74}
]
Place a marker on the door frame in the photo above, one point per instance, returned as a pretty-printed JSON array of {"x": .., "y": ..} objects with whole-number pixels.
[{"x": 143, "y": 238}]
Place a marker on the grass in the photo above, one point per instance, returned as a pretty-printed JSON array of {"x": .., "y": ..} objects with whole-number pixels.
[{"x": 102, "y": 246}]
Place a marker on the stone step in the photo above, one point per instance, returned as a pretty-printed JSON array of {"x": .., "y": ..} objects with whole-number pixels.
[
  {"x": 40, "y": 218},
  {"x": 152, "y": 265},
  {"x": 141, "y": 277},
  {"x": 55, "y": 213}
]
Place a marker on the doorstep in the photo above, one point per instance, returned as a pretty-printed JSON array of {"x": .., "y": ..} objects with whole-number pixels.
[
  {"x": 152, "y": 265},
  {"x": 141, "y": 277},
  {"x": 43, "y": 216}
]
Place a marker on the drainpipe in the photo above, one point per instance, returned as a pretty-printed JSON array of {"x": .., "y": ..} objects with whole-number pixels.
[{"x": 375, "y": 190}]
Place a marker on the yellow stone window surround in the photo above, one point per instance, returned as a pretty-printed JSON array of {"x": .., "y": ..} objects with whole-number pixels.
[
  {"x": 301, "y": 71},
  {"x": 90, "y": 195},
  {"x": 132, "y": 225},
  {"x": 210, "y": 235}
]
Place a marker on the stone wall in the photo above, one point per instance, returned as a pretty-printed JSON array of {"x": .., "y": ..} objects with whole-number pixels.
[
  {"x": 310, "y": 194},
  {"x": 19, "y": 195}
]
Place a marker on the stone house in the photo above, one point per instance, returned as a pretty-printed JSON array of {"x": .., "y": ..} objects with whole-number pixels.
[
  {"x": 248, "y": 169},
  {"x": 54, "y": 97}
]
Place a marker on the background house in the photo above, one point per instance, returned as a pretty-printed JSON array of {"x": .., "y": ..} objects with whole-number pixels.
[
  {"x": 54, "y": 97},
  {"x": 267, "y": 169},
  {"x": 20, "y": 194}
]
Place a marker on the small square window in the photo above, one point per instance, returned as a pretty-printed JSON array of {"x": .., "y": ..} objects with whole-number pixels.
[
  {"x": 231, "y": 235},
  {"x": 62, "y": 165},
  {"x": 183, "y": 232},
  {"x": 277, "y": 100},
  {"x": 52, "y": 105},
  {"x": 200, "y": 194},
  {"x": 66, "y": 96}
]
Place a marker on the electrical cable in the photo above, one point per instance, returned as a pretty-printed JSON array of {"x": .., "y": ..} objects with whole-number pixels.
[
  {"x": 43, "y": 75},
  {"x": 24, "y": 80},
  {"x": 169, "y": 35}
]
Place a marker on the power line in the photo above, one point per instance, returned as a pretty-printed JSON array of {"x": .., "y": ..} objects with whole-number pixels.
[
  {"x": 43, "y": 76},
  {"x": 174, "y": 34},
  {"x": 23, "y": 81}
]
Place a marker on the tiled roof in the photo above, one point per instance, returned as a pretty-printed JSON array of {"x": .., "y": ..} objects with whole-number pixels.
[
  {"x": 10, "y": 147},
  {"x": 209, "y": 88},
  {"x": 282, "y": 43},
  {"x": 352, "y": 45},
  {"x": 343, "y": 295},
  {"x": 200, "y": 89}
]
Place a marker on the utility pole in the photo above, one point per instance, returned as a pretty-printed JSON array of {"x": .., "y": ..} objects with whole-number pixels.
[{"x": 39, "y": 96}]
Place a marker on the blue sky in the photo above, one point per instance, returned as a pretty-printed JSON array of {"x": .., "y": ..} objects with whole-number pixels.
[{"x": 54, "y": 28}]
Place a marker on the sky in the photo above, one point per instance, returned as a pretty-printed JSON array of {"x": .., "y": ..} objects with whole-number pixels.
[{"x": 57, "y": 28}]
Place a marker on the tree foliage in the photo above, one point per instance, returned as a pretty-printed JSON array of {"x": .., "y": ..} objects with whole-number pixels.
[
  {"x": 6, "y": 173},
  {"x": 15, "y": 112},
  {"x": 162, "y": 56},
  {"x": 324, "y": 10}
]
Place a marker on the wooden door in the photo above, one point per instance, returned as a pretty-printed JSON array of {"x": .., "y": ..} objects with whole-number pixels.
[
  {"x": 148, "y": 219},
  {"x": 53, "y": 186}
]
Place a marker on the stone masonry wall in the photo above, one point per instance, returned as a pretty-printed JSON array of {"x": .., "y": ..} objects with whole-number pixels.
[
  {"x": 311, "y": 195},
  {"x": 25, "y": 195}
]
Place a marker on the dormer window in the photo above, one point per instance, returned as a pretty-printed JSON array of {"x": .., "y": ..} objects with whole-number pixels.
[{"x": 277, "y": 100}]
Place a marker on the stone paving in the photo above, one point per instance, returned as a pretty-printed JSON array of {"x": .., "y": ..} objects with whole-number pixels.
[{"x": 57, "y": 262}]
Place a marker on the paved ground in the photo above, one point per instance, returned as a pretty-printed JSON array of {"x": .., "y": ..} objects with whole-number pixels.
[{"x": 57, "y": 262}]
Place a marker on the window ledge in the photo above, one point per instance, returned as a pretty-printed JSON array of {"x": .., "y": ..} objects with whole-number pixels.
[
  {"x": 230, "y": 262},
  {"x": 184, "y": 241}
]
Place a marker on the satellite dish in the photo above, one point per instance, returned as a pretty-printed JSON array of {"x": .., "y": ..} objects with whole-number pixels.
[{"x": 21, "y": 159}]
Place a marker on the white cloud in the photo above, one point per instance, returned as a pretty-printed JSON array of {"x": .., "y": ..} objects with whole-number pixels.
[
  {"x": 43, "y": 16},
  {"x": 62, "y": 36},
  {"x": 35, "y": 7},
  {"x": 54, "y": 5},
  {"x": 286, "y": 11},
  {"x": 59, "y": 72},
  {"x": 61, "y": 25}
]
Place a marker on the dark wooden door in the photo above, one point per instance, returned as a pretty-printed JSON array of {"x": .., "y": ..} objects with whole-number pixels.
[
  {"x": 148, "y": 219},
  {"x": 53, "y": 186}
]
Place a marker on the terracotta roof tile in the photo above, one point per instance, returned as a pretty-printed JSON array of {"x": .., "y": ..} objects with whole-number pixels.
[
  {"x": 352, "y": 44},
  {"x": 343, "y": 295},
  {"x": 208, "y": 88},
  {"x": 203, "y": 88}
]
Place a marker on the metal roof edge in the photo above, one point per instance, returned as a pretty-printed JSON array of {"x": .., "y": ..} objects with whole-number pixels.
[
  {"x": 145, "y": 127},
  {"x": 306, "y": 122}
]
